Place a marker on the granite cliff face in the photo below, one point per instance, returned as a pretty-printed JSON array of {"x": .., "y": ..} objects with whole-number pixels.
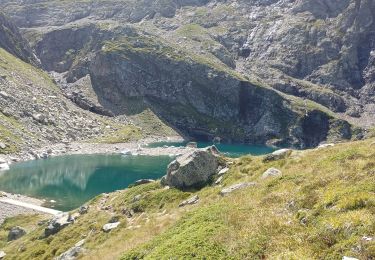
[{"x": 286, "y": 72}]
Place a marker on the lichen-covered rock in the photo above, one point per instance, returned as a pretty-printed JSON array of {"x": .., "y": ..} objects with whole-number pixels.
[
  {"x": 271, "y": 172},
  {"x": 235, "y": 187},
  {"x": 193, "y": 169}
]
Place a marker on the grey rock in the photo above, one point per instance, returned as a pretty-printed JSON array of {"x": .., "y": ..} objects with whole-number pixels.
[
  {"x": 190, "y": 201},
  {"x": 16, "y": 233},
  {"x": 272, "y": 172},
  {"x": 278, "y": 155},
  {"x": 235, "y": 187},
  {"x": 73, "y": 252},
  {"x": 110, "y": 226},
  {"x": 3, "y": 146},
  {"x": 193, "y": 169},
  {"x": 143, "y": 181},
  {"x": 83, "y": 209},
  {"x": 57, "y": 223}
]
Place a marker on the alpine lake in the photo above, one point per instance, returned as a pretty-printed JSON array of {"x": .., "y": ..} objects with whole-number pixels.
[{"x": 67, "y": 182}]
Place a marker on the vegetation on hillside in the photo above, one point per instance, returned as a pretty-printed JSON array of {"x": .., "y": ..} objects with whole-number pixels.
[{"x": 322, "y": 207}]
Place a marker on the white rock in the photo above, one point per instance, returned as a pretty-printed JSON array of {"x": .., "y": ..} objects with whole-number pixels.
[
  {"x": 108, "y": 227},
  {"x": 4, "y": 167},
  {"x": 271, "y": 172},
  {"x": 349, "y": 258},
  {"x": 277, "y": 155},
  {"x": 325, "y": 146},
  {"x": 236, "y": 187},
  {"x": 2, "y": 254},
  {"x": 190, "y": 201},
  {"x": 218, "y": 181},
  {"x": 223, "y": 171}
]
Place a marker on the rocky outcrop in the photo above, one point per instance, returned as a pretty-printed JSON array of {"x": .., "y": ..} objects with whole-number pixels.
[
  {"x": 229, "y": 83},
  {"x": 192, "y": 170},
  {"x": 13, "y": 42},
  {"x": 57, "y": 223}
]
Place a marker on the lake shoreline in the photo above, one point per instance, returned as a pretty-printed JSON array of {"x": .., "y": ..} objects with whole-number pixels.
[
  {"x": 8, "y": 210},
  {"x": 61, "y": 149},
  {"x": 80, "y": 148}
]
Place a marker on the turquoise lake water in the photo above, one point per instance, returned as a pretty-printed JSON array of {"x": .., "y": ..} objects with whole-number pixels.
[{"x": 72, "y": 180}]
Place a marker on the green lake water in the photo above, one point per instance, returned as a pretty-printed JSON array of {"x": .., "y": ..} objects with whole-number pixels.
[{"x": 72, "y": 180}]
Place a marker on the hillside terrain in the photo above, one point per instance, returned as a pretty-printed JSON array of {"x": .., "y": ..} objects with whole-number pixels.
[
  {"x": 286, "y": 73},
  {"x": 322, "y": 206},
  {"x": 245, "y": 71}
]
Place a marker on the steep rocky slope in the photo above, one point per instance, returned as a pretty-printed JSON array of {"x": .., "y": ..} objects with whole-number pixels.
[
  {"x": 12, "y": 41},
  {"x": 321, "y": 206},
  {"x": 246, "y": 71}
]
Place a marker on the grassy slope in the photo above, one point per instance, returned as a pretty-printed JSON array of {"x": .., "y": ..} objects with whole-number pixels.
[{"x": 320, "y": 209}]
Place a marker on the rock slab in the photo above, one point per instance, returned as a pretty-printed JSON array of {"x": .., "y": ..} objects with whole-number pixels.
[
  {"x": 190, "y": 201},
  {"x": 235, "y": 187}
]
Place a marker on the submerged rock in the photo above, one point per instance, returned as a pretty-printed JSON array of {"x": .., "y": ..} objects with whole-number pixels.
[
  {"x": 193, "y": 169},
  {"x": 190, "y": 201},
  {"x": 235, "y": 187},
  {"x": 16, "y": 233}
]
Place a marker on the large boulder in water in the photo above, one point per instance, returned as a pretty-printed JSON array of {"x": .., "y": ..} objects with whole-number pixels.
[{"x": 193, "y": 169}]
